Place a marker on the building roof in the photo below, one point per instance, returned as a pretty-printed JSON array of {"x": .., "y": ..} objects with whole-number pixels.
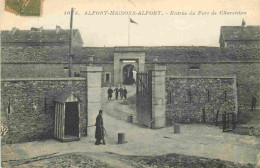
[
  {"x": 37, "y": 35},
  {"x": 55, "y": 54},
  {"x": 105, "y": 54},
  {"x": 168, "y": 54},
  {"x": 240, "y": 33}
]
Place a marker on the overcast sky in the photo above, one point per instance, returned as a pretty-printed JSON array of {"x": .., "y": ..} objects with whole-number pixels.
[{"x": 165, "y": 29}]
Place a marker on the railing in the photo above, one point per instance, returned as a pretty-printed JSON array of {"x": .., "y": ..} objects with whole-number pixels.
[
  {"x": 229, "y": 121},
  {"x": 143, "y": 83}
]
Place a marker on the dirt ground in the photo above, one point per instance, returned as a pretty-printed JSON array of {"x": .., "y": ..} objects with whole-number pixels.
[
  {"x": 197, "y": 144},
  {"x": 95, "y": 160}
]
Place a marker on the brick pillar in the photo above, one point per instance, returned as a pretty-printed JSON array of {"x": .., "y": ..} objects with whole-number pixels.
[
  {"x": 158, "y": 97},
  {"x": 93, "y": 89}
]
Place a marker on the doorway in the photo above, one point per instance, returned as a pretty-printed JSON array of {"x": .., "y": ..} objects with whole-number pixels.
[
  {"x": 71, "y": 119},
  {"x": 128, "y": 74}
]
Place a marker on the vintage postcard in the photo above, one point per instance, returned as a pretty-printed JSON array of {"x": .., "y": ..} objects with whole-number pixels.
[{"x": 130, "y": 83}]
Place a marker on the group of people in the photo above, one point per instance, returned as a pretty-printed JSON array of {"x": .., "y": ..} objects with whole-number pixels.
[{"x": 122, "y": 92}]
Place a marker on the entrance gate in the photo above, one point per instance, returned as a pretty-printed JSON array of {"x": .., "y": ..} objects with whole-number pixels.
[
  {"x": 229, "y": 122},
  {"x": 67, "y": 114},
  {"x": 144, "y": 99},
  {"x": 128, "y": 74}
]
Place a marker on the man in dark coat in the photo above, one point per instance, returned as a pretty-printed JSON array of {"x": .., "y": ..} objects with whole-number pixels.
[
  {"x": 125, "y": 93},
  {"x": 121, "y": 90},
  {"x": 253, "y": 106},
  {"x": 99, "y": 134},
  {"x": 109, "y": 92},
  {"x": 116, "y": 92}
]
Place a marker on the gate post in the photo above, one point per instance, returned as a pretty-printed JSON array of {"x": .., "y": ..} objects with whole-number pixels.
[
  {"x": 158, "y": 97},
  {"x": 93, "y": 90}
]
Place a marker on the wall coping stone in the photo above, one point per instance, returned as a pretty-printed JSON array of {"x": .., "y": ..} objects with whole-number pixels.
[
  {"x": 90, "y": 69},
  {"x": 159, "y": 68},
  {"x": 199, "y": 77},
  {"x": 152, "y": 63},
  {"x": 204, "y": 62},
  {"x": 44, "y": 79},
  {"x": 54, "y": 63}
]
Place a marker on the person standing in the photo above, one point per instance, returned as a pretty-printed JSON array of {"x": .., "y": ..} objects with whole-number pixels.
[
  {"x": 99, "y": 134},
  {"x": 253, "y": 106},
  {"x": 125, "y": 93},
  {"x": 109, "y": 92},
  {"x": 121, "y": 90},
  {"x": 116, "y": 92}
]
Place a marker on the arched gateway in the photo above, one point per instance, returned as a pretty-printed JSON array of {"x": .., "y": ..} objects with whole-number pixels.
[
  {"x": 129, "y": 74},
  {"x": 127, "y": 62}
]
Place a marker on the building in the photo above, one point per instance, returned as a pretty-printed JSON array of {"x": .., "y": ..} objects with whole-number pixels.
[
  {"x": 193, "y": 78},
  {"x": 40, "y": 37},
  {"x": 239, "y": 36}
]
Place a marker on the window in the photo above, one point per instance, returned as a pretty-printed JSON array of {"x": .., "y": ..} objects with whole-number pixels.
[
  {"x": 208, "y": 96},
  {"x": 169, "y": 99},
  {"x": 225, "y": 95},
  {"x": 194, "y": 66},
  {"x": 107, "y": 77},
  {"x": 189, "y": 96},
  {"x": 76, "y": 74},
  {"x": 9, "y": 109}
]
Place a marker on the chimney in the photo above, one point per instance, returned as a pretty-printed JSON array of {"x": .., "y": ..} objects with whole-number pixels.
[
  {"x": 40, "y": 29},
  {"x": 243, "y": 23},
  {"x": 91, "y": 59},
  {"x": 14, "y": 29},
  {"x": 37, "y": 29},
  {"x": 58, "y": 28},
  {"x": 155, "y": 59}
]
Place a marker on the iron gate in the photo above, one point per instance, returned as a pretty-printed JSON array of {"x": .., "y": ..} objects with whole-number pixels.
[
  {"x": 144, "y": 98},
  {"x": 143, "y": 83},
  {"x": 229, "y": 121}
]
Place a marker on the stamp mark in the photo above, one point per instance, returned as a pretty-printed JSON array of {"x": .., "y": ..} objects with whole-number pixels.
[{"x": 24, "y": 7}]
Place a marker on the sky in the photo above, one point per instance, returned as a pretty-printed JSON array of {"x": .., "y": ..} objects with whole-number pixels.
[{"x": 151, "y": 30}]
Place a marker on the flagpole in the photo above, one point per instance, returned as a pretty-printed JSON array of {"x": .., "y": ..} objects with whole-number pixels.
[{"x": 128, "y": 30}]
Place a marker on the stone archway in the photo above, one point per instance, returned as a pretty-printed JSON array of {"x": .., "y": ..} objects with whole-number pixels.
[
  {"x": 129, "y": 76},
  {"x": 125, "y": 56}
]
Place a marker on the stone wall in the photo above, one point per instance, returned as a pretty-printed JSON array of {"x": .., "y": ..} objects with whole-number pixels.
[
  {"x": 188, "y": 96},
  {"x": 50, "y": 70},
  {"x": 32, "y": 106},
  {"x": 247, "y": 75},
  {"x": 33, "y": 70}
]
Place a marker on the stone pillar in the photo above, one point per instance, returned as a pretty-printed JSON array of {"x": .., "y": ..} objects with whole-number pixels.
[
  {"x": 93, "y": 89},
  {"x": 158, "y": 97}
]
